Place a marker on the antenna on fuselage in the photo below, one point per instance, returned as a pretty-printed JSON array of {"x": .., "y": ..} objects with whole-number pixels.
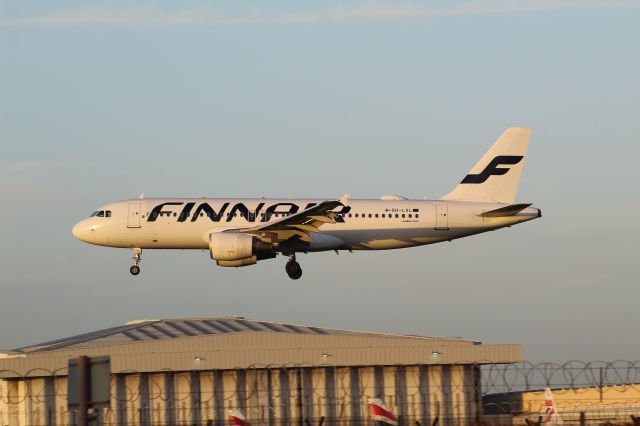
[{"x": 141, "y": 195}]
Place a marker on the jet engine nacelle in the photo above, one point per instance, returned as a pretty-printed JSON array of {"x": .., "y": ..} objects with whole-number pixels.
[
  {"x": 236, "y": 249},
  {"x": 238, "y": 263}
]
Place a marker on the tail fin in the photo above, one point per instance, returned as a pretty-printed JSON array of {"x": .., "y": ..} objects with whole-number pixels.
[
  {"x": 381, "y": 413},
  {"x": 237, "y": 418},
  {"x": 551, "y": 415},
  {"x": 496, "y": 176}
]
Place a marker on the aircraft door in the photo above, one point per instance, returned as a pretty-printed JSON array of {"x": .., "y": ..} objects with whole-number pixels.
[
  {"x": 442, "y": 218},
  {"x": 133, "y": 220}
]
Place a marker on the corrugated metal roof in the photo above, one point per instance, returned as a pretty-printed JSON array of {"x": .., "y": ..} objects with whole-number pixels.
[
  {"x": 166, "y": 329},
  {"x": 253, "y": 350}
]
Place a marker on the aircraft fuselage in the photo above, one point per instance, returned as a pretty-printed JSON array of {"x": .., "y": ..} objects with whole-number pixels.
[{"x": 186, "y": 223}]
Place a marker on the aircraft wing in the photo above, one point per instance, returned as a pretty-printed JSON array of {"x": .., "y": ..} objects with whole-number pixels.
[{"x": 299, "y": 224}]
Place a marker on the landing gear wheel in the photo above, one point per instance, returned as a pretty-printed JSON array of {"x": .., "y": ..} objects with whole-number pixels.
[
  {"x": 137, "y": 255},
  {"x": 293, "y": 269}
]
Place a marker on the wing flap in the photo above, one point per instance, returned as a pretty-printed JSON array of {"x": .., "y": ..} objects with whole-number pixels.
[
  {"x": 324, "y": 219},
  {"x": 303, "y": 227}
]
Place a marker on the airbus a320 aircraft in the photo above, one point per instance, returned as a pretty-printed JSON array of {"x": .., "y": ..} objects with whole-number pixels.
[{"x": 241, "y": 232}]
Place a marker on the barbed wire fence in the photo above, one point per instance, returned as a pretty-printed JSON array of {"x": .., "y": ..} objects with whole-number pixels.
[
  {"x": 595, "y": 392},
  {"x": 528, "y": 376}
]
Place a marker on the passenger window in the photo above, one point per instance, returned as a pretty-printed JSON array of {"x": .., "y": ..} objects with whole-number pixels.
[
  {"x": 403, "y": 215},
  {"x": 376, "y": 214},
  {"x": 370, "y": 215},
  {"x": 396, "y": 215},
  {"x": 416, "y": 216},
  {"x": 383, "y": 215},
  {"x": 349, "y": 214},
  {"x": 409, "y": 215}
]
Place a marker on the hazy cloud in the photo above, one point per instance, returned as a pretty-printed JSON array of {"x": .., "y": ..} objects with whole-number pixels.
[
  {"x": 374, "y": 10},
  {"x": 153, "y": 18},
  {"x": 366, "y": 11},
  {"x": 29, "y": 167}
]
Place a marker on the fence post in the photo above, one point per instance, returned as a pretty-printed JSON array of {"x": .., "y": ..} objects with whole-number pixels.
[{"x": 532, "y": 423}]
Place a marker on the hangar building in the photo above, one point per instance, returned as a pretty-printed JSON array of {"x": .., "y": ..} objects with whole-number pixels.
[{"x": 193, "y": 371}]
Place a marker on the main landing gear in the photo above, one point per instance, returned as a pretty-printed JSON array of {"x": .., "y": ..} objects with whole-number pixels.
[
  {"x": 293, "y": 268},
  {"x": 137, "y": 255}
]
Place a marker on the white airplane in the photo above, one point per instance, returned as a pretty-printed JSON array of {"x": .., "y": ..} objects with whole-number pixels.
[{"x": 241, "y": 232}]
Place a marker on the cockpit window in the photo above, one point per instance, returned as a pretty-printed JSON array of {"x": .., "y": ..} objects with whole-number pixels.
[{"x": 101, "y": 213}]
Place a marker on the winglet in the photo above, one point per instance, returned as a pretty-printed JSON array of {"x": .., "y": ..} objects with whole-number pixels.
[{"x": 345, "y": 198}]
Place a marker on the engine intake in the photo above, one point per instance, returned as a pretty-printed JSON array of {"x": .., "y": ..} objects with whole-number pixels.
[{"x": 236, "y": 249}]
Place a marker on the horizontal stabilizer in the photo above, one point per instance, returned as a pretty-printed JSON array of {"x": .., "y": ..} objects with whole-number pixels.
[{"x": 505, "y": 211}]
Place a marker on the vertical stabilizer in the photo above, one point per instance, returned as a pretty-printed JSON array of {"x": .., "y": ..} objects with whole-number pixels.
[
  {"x": 381, "y": 413},
  {"x": 551, "y": 415},
  {"x": 496, "y": 176},
  {"x": 237, "y": 418}
]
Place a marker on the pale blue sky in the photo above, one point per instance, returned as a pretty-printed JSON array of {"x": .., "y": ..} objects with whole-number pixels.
[{"x": 100, "y": 101}]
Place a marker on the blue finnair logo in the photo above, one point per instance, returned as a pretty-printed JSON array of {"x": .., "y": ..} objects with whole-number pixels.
[{"x": 492, "y": 168}]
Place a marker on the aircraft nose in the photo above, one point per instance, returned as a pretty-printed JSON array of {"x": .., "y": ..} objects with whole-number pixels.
[
  {"x": 76, "y": 231},
  {"x": 79, "y": 231}
]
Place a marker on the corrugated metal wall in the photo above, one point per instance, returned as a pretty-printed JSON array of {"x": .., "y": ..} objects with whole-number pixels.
[{"x": 274, "y": 396}]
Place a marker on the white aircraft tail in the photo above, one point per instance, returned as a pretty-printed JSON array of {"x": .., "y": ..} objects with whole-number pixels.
[
  {"x": 381, "y": 413},
  {"x": 237, "y": 418},
  {"x": 551, "y": 415},
  {"x": 496, "y": 176}
]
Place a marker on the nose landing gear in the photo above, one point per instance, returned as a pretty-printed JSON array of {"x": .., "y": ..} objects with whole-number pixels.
[
  {"x": 137, "y": 255},
  {"x": 293, "y": 268}
]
